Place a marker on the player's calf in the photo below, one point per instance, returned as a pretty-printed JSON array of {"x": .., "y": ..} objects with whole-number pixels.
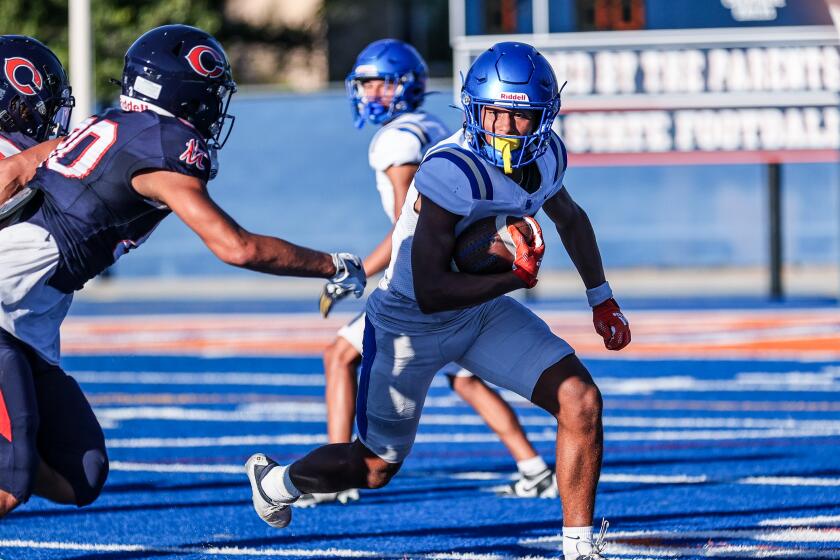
[
  {"x": 336, "y": 467},
  {"x": 73, "y": 460},
  {"x": 339, "y": 356},
  {"x": 330, "y": 468},
  {"x": 341, "y": 360}
]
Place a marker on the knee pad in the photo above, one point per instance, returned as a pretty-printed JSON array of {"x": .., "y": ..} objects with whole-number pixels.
[{"x": 87, "y": 484}]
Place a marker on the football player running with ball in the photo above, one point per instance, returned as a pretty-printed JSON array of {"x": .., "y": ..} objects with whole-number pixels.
[
  {"x": 99, "y": 194},
  {"x": 506, "y": 160},
  {"x": 387, "y": 87}
]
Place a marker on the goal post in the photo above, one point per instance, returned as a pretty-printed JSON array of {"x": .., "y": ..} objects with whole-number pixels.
[{"x": 81, "y": 59}]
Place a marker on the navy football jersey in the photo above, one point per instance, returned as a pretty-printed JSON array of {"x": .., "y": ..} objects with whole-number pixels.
[
  {"x": 12, "y": 143},
  {"x": 89, "y": 205}
]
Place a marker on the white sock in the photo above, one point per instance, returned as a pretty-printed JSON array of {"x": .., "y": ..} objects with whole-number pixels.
[
  {"x": 577, "y": 541},
  {"x": 531, "y": 467},
  {"x": 278, "y": 485}
]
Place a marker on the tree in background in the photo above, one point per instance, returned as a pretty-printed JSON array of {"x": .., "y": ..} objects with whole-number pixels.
[{"x": 117, "y": 23}]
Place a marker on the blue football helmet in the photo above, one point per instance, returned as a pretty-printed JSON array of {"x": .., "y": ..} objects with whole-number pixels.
[
  {"x": 186, "y": 72},
  {"x": 35, "y": 95},
  {"x": 399, "y": 65},
  {"x": 511, "y": 76}
]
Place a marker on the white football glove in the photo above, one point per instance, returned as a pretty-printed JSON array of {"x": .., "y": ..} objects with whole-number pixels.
[{"x": 349, "y": 278}]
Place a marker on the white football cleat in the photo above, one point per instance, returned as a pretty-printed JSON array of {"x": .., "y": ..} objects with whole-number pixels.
[
  {"x": 541, "y": 485},
  {"x": 312, "y": 500},
  {"x": 277, "y": 514},
  {"x": 597, "y": 545}
]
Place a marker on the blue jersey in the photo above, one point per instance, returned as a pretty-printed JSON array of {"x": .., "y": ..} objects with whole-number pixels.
[
  {"x": 88, "y": 203},
  {"x": 12, "y": 143}
]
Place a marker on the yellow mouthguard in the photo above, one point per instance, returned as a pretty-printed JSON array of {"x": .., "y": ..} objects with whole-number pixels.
[{"x": 506, "y": 146}]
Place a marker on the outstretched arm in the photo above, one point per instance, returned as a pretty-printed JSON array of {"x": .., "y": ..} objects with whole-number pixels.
[
  {"x": 188, "y": 198},
  {"x": 19, "y": 169},
  {"x": 436, "y": 286}
]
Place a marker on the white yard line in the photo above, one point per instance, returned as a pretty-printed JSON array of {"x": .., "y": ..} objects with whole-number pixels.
[
  {"x": 199, "y": 379},
  {"x": 803, "y": 521},
  {"x": 544, "y": 435},
  {"x": 763, "y": 535},
  {"x": 127, "y": 466},
  {"x": 825, "y": 380},
  {"x": 295, "y": 411},
  {"x": 620, "y": 543},
  {"x": 214, "y": 551},
  {"x": 243, "y": 551},
  {"x": 653, "y": 478},
  {"x": 608, "y": 477},
  {"x": 790, "y": 481}
]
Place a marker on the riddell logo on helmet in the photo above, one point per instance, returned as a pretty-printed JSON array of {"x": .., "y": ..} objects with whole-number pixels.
[
  {"x": 23, "y": 75},
  {"x": 367, "y": 70},
  {"x": 510, "y": 96},
  {"x": 133, "y": 105}
]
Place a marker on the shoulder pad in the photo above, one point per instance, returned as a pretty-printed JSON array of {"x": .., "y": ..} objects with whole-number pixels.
[
  {"x": 414, "y": 129},
  {"x": 470, "y": 166},
  {"x": 397, "y": 145},
  {"x": 168, "y": 144}
]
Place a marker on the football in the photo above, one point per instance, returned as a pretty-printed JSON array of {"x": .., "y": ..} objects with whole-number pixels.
[{"x": 482, "y": 247}]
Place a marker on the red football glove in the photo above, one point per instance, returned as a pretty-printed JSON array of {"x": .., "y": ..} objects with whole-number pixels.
[
  {"x": 529, "y": 256},
  {"x": 611, "y": 324}
]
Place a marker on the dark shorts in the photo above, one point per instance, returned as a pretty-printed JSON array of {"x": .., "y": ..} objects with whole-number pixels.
[{"x": 44, "y": 416}]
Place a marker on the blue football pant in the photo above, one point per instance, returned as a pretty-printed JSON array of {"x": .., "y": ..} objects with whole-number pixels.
[{"x": 44, "y": 416}]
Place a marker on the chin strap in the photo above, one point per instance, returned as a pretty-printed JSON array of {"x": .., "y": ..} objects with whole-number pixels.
[{"x": 506, "y": 146}]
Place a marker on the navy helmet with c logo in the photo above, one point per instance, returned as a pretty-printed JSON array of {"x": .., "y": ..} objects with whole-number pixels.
[
  {"x": 184, "y": 71},
  {"x": 35, "y": 95}
]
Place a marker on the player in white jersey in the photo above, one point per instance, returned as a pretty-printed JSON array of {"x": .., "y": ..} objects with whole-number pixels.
[
  {"x": 387, "y": 87},
  {"x": 507, "y": 160}
]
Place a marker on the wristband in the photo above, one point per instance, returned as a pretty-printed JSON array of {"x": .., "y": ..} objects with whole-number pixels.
[{"x": 599, "y": 294}]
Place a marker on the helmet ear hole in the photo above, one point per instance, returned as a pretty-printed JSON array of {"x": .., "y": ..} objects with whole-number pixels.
[{"x": 191, "y": 106}]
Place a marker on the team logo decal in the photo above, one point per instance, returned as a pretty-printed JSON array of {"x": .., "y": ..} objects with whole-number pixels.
[
  {"x": 23, "y": 75},
  {"x": 206, "y": 61},
  {"x": 193, "y": 155}
]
